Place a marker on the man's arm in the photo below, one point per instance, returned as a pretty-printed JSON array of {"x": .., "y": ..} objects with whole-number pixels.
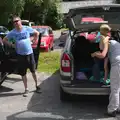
[
  {"x": 5, "y": 41},
  {"x": 34, "y": 32},
  {"x": 36, "y": 35},
  {"x": 104, "y": 52}
]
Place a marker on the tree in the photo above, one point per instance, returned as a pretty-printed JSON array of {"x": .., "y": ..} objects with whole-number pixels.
[
  {"x": 118, "y": 1},
  {"x": 9, "y": 7},
  {"x": 40, "y": 11},
  {"x": 53, "y": 18},
  {"x": 29, "y": 7},
  {"x": 43, "y": 12}
]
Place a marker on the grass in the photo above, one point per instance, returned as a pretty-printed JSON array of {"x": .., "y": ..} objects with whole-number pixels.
[{"x": 49, "y": 62}]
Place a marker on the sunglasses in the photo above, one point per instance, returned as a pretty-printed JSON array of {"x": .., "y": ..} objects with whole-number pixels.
[{"x": 16, "y": 21}]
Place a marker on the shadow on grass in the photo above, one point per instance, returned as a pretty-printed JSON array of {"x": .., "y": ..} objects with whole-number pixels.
[{"x": 47, "y": 105}]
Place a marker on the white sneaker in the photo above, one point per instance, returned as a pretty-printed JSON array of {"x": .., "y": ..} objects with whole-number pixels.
[{"x": 25, "y": 94}]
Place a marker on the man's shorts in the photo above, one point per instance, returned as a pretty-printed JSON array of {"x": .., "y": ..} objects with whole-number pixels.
[{"x": 25, "y": 62}]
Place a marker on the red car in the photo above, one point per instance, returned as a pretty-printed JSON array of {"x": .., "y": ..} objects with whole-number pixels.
[{"x": 47, "y": 38}]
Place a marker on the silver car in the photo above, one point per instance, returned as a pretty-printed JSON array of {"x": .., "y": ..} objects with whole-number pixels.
[{"x": 76, "y": 66}]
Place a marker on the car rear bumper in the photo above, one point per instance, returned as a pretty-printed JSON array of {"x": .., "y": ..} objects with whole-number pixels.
[
  {"x": 42, "y": 47},
  {"x": 77, "y": 90}
]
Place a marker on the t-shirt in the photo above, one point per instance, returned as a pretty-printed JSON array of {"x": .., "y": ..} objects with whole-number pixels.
[
  {"x": 98, "y": 37},
  {"x": 22, "y": 40},
  {"x": 114, "y": 52}
]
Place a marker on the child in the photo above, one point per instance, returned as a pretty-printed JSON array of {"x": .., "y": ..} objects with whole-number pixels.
[{"x": 103, "y": 45}]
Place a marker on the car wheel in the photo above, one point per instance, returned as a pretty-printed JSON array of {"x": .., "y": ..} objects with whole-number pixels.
[
  {"x": 64, "y": 97},
  {"x": 52, "y": 48},
  {"x": 3, "y": 76}
]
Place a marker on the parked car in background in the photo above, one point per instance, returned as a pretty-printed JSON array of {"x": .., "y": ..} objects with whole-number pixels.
[
  {"x": 76, "y": 64},
  {"x": 27, "y": 23},
  {"x": 3, "y": 31},
  {"x": 63, "y": 37},
  {"x": 47, "y": 39}
]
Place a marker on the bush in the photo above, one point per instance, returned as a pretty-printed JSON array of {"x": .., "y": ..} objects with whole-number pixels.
[
  {"x": 44, "y": 15},
  {"x": 53, "y": 18}
]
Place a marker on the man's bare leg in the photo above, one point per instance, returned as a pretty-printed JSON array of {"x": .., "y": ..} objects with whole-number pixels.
[
  {"x": 35, "y": 78},
  {"x": 36, "y": 83},
  {"x": 24, "y": 78}
]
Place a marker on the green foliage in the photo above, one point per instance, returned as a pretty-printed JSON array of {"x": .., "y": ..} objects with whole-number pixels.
[
  {"x": 8, "y": 7},
  {"x": 118, "y": 1},
  {"x": 53, "y": 18},
  {"x": 43, "y": 12}
]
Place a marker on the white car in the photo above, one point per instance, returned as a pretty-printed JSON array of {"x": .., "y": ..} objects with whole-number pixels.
[{"x": 27, "y": 23}]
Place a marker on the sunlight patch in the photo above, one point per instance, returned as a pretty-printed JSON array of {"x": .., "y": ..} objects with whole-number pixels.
[{"x": 40, "y": 115}]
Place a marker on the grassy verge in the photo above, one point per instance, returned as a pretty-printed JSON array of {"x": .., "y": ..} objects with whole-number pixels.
[{"x": 49, "y": 62}]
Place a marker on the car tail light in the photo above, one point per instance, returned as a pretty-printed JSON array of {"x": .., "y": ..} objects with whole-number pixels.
[{"x": 65, "y": 63}]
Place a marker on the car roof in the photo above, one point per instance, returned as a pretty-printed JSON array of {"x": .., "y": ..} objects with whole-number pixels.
[
  {"x": 40, "y": 26},
  {"x": 25, "y": 20}
]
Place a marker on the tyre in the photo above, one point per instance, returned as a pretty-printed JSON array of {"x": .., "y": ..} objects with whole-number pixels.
[
  {"x": 3, "y": 76},
  {"x": 48, "y": 49},
  {"x": 64, "y": 97},
  {"x": 52, "y": 48}
]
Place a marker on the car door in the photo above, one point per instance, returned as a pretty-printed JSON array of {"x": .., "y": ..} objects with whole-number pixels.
[
  {"x": 36, "y": 51},
  {"x": 51, "y": 37},
  {"x": 8, "y": 58}
]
